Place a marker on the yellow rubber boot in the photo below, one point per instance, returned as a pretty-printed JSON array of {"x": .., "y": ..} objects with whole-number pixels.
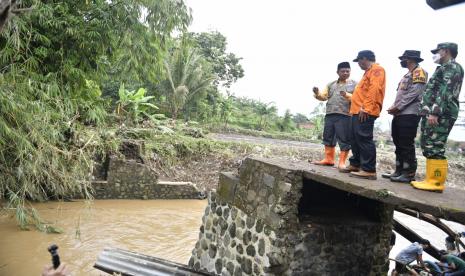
[
  {"x": 342, "y": 159},
  {"x": 436, "y": 175},
  {"x": 329, "y": 157}
]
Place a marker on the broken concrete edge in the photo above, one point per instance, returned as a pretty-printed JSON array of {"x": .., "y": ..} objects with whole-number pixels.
[
  {"x": 230, "y": 181},
  {"x": 227, "y": 186},
  {"x": 388, "y": 197},
  {"x": 262, "y": 191}
]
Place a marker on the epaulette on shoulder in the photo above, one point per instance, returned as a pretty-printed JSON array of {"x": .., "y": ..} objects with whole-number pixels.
[{"x": 419, "y": 75}]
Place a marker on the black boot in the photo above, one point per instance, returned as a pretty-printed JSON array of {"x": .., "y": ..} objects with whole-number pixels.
[
  {"x": 405, "y": 177},
  {"x": 397, "y": 172},
  {"x": 408, "y": 173}
]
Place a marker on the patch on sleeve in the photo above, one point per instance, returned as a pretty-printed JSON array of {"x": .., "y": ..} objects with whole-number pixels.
[{"x": 418, "y": 76}]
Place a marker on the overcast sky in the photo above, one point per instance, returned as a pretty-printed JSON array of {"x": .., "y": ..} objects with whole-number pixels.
[{"x": 290, "y": 46}]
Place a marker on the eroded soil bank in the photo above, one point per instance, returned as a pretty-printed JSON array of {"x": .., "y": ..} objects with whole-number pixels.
[{"x": 204, "y": 171}]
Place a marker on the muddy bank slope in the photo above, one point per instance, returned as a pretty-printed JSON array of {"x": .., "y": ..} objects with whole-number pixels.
[{"x": 204, "y": 170}]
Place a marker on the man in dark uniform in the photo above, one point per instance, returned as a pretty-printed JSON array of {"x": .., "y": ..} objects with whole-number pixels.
[
  {"x": 439, "y": 110},
  {"x": 405, "y": 122}
]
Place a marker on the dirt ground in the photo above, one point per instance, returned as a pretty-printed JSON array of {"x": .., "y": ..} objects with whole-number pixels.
[{"x": 205, "y": 171}]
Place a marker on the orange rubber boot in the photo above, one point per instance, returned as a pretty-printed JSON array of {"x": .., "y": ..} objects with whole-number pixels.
[
  {"x": 342, "y": 160},
  {"x": 329, "y": 157}
]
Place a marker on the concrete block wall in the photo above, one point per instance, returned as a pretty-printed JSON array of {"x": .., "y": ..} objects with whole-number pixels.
[
  {"x": 128, "y": 179},
  {"x": 255, "y": 225}
]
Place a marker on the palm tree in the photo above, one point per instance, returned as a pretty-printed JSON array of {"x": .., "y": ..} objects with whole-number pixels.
[
  {"x": 265, "y": 111},
  {"x": 187, "y": 76},
  {"x": 227, "y": 108}
]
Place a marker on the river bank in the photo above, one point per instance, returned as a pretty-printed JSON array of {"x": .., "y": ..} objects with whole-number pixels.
[{"x": 205, "y": 168}]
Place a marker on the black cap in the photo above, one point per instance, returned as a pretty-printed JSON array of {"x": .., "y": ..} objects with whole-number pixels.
[
  {"x": 450, "y": 239},
  {"x": 424, "y": 242},
  {"x": 411, "y": 54},
  {"x": 365, "y": 54},
  {"x": 344, "y": 64}
]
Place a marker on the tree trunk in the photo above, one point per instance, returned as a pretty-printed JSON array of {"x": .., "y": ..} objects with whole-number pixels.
[
  {"x": 410, "y": 235},
  {"x": 434, "y": 221}
]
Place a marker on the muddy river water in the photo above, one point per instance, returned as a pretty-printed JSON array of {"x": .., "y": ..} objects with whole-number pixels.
[{"x": 161, "y": 228}]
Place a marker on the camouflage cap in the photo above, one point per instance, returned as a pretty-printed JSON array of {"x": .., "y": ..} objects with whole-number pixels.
[{"x": 446, "y": 45}]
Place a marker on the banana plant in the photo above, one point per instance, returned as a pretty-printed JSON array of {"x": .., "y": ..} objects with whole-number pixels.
[{"x": 135, "y": 105}]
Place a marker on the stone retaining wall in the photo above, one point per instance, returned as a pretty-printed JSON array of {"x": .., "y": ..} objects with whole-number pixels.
[
  {"x": 128, "y": 179},
  {"x": 231, "y": 242},
  {"x": 269, "y": 220}
]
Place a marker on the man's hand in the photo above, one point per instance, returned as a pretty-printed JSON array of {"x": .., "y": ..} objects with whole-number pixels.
[
  {"x": 60, "y": 271},
  {"x": 343, "y": 93},
  {"x": 362, "y": 115},
  {"x": 393, "y": 110},
  {"x": 432, "y": 120},
  {"x": 315, "y": 90}
]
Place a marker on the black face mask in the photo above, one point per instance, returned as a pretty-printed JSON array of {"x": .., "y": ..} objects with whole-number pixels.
[{"x": 403, "y": 63}]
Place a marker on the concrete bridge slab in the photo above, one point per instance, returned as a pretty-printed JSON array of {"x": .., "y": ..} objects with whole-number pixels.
[{"x": 448, "y": 205}]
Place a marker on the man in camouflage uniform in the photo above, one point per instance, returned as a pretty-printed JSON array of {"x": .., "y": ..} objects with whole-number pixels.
[
  {"x": 337, "y": 119},
  {"x": 405, "y": 122},
  {"x": 439, "y": 110}
]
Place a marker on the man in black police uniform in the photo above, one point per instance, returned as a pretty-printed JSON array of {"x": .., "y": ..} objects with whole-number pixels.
[{"x": 405, "y": 111}]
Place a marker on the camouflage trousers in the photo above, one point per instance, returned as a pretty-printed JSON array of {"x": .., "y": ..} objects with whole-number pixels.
[{"x": 434, "y": 138}]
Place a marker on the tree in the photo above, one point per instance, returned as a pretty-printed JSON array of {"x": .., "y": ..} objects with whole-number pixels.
[
  {"x": 225, "y": 65},
  {"x": 227, "y": 107},
  {"x": 53, "y": 60},
  {"x": 7, "y": 10},
  {"x": 286, "y": 123},
  {"x": 265, "y": 111},
  {"x": 187, "y": 76},
  {"x": 300, "y": 118},
  {"x": 317, "y": 118}
]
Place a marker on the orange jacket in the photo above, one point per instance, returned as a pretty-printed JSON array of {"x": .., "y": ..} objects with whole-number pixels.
[{"x": 369, "y": 93}]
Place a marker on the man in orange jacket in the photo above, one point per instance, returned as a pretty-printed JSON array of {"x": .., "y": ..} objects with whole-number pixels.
[{"x": 366, "y": 105}]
